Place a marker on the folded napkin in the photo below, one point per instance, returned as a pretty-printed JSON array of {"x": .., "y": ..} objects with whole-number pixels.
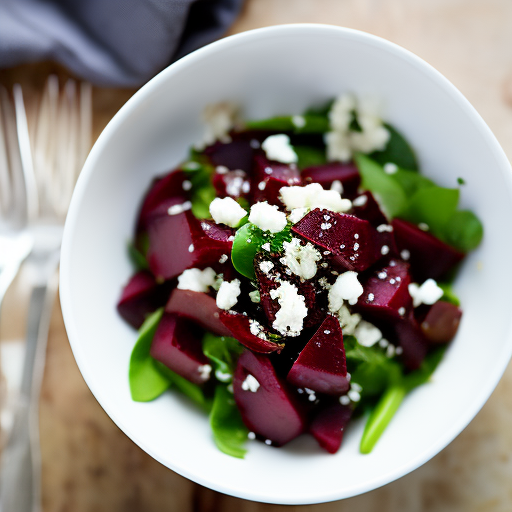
[{"x": 110, "y": 42}]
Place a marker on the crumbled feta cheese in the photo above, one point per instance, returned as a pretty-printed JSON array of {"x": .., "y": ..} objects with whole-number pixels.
[
  {"x": 221, "y": 169},
  {"x": 384, "y": 250},
  {"x": 398, "y": 350},
  {"x": 405, "y": 254},
  {"x": 262, "y": 185},
  {"x": 255, "y": 296},
  {"x": 354, "y": 395},
  {"x": 338, "y": 146},
  {"x": 196, "y": 280},
  {"x": 219, "y": 119},
  {"x": 427, "y": 293},
  {"x": 390, "y": 351},
  {"x": 228, "y": 293},
  {"x": 401, "y": 311},
  {"x": 297, "y": 214},
  {"x": 266, "y": 266},
  {"x": 340, "y": 114},
  {"x": 313, "y": 196},
  {"x": 234, "y": 186},
  {"x": 257, "y": 329},
  {"x": 186, "y": 185},
  {"x": 346, "y": 287},
  {"x": 344, "y": 400},
  {"x": 204, "y": 371},
  {"x": 384, "y": 227},
  {"x": 268, "y": 442},
  {"x": 290, "y": 317},
  {"x": 227, "y": 211},
  {"x": 301, "y": 260},
  {"x": 324, "y": 283},
  {"x": 223, "y": 377},
  {"x": 423, "y": 226},
  {"x": 179, "y": 208},
  {"x": 267, "y": 217},
  {"x": 251, "y": 435},
  {"x": 278, "y": 148},
  {"x": 367, "y": 334},
  {"x": 299, "y": 121},
  {"x": 311, "y": 394},
  {"x": 390, "y": 168},
  {"x": 223, "y": 259},
  {"x": 191, "y": 248},
  {"x": 266, "y": 246},
  {"x": 250, "y": 384},
  {"x": 373, "y": 137},
  {"x": 337, "y": 186}
]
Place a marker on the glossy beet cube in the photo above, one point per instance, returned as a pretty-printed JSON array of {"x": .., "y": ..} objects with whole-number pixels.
[
  {"x": 412, "y": 341},
  {"x": 366, "y": 207},
  {"x": 177, "y": 344},
  {"x": 386, "y": 292},
  {"x": 237, "y": 154},
  {"x": 233, "y": 184},
  {"x": 321, "y": 366},
  {"x": 249, "y": 333},
  {"x": 198, "y": 307},
  {"x": 326, "y": 174},
  {"x": 441, "y": 323},
  {"x": 141, "y": 296},
  {"x": 428, "y": 256},
  {"x": 328, "y": 425},
  {"x": 354, "y": 243},
  {"x": 268, "y": 404}
]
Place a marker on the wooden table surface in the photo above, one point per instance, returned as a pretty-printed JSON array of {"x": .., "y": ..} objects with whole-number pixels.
[{"x": 89, "y": 465}]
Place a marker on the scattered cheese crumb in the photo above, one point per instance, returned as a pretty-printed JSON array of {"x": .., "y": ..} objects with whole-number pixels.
[
  {"x": 196, "y": 280},
  {"x": 423, "y": 226},
  {"x": 191, "y": 248},
  {"x": 360, "y": 201},
  {"x": 297, "y": 214},
  {"x": 267, "y": 217},
  {"x": 384, "y": 227},
  {"x": 346, "y": 287},
  {"x": 290, "y": 317},
  {"x": 427, "y": 293},
  {"x": 251, "y": 435},
  {"x": 384, "y": 250},
  {"x": 257, "y": 329},
  {"x": 390, "y": 168},
  {"x": 186, "y": 185},
  {"x": 278, "y": 148},
  {"x": 337, "y": 186},
  {"x": 367, "y": 334},
  {"x": 301, "y": 260},
  {"x": 313, "y": 196},
  {"x": 250, "y": 384},
  {"x": 266, "y": 266},
  {"x": 354, "y": 395},
  {"x": 299, "y": 121},
  {"x": 266, "y": 246},
  {"x": 219, "y": 119},
  {"x": 223, "y": 377},
  {"x": 223, "y": 259},
  {"x": 405, "y": 254},
  {"x": 255, "y": 296},
  {"x": 179, "y": 208},
  {"x": 344, "y": 400},
  {"x": 228, "y": 293},
  {"x": 227, "y": 211},
  {"x": 204, "y": 371}
]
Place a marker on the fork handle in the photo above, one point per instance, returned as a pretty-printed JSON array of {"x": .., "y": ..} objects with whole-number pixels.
[{"x": 20, "y": 474}]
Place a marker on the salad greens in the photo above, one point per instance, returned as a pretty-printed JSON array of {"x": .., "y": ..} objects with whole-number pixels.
[
  {"x": 398, "y": 151},
  {"x": 223, "y": 352}
]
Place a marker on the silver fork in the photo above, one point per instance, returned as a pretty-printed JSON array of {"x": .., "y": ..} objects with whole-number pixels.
[{"x": 61, "y": 141}]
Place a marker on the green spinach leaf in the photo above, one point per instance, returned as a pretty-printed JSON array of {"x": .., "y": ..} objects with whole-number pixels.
[
  {"x": 398, "y": 151},
  {"x": 464, "y": 231},
  {"x": 310, "y": 156},
  {"x": 308, "y": 123},
  {"x": 223, "y": 352},
  {"x": 138, "y": 259}
]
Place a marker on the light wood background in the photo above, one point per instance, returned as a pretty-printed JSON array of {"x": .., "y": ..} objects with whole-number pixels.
[{"x": 90, "y": 466}]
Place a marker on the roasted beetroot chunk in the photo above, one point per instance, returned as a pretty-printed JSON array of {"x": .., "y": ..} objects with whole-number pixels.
[
  {"x": 267, "y": 403},
  {"x": 428, "y": 256},
  {"x": 441, "y": 323},
  {"x": 177, "y": 344},
  {"x": 239, "y": 327},
  {"x": 328, "y": 425},
  {"x": 346, "y": 174},
  {"x": 412, "y": 341},
  {"x": 141, "y": 296},
  {"x": 199, "y": 307},
  {"x": 233, "y": 184},
  {"x": 321, "y": 366},
  {"x": 353, "y": 242},
  {"x": 366, "y": 207},
  {"x": 234, "y": 155}
]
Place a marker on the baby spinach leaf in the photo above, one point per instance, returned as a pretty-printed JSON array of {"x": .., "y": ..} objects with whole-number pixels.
[
  {"x": 138, "y": 259},
  {"x": 248, "y": 241},
  {"x": 223, "y": 352},
  {"x": 277, "y": 239},
  {"x": 308, "y": 123},
  {"x": 373, "y": 178},
  {"x": 309, "y": 156},
  {"x": 201, "y": 199},
  {"x": 199, "y": 172},
  {"x": 229, "y": 431},
  {"x": 464, "y": 231},
  {"x": 398, "y": 151},
  {"x": 411, "y": 181},
  {"x": 146, "y": 381},
  {"x": 449, "y": 294}
]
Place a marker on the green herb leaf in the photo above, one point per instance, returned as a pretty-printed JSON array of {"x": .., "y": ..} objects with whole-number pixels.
[
  {"x": 309, "y": 156},
  {"x": 229, "y": 431},
  {"x": 387, "y": 191},
  {"x": 310, "y": 123},
  {"x": 138, "y": 260},
  {"x": 424, "y": 372},
  {"x": 449, "y": 294},
  {"x": 199, "y": 172},
  {"x": 411, "y": 181},
  {"x": 398, "y": 151},
  {"x": 223, "y": 352},
  {"x": 146, "y": 381},
  {"x": 464, "y": 231}
]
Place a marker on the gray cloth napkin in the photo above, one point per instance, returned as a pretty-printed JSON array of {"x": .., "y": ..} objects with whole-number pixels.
[{"x": 110, "y": 42}]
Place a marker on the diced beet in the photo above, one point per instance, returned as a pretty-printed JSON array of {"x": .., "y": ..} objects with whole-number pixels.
[
  {"x": 353, "y": 242},
  {"x": 239, "y": 327},
  {"x": 441, "y": 323},
  {"x": 412, "y": 341},
  {"x": 141, "y": 296},
  {"x": 321, "y": 366},
  {"x": 346, "y": 174},
  {"x": 168, "y": 189},
  {"x": 271, "y": 411},
  {"x": 177, "y": 344},
  {"x": 199, "y": 307},
  {"x": 367, "y": 208},
  {"x": 233, "y": 184},
  {"x": 236, "y": 154},
  {"x": 180, "y": 241},
  {"x": 268, "y": 178},
  {"x": 386, "y": 292},
  {"x": 328, "y": 425},
  {"x": 429, "y": 257}
]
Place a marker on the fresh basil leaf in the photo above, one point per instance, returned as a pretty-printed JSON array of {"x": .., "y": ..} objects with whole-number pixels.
[
  {"x": 411, "y": 181},
  {"x": 146, "y": 381},
  {"x": 138, "y": 260},
  {"x": 201, "y": 198},
  {"x": 449, "y": 294},
  {"x": 398, "y": 151},
  {"x": 464, "y": 231},
  {"x": 223, "y": 352},
  {"x": 309, "y": 123},
  {"x": 248, "y": 241},
  {"x": 424, "y": 372},
  {"x": 309, "y": 156},
  {"x": 386, "y": 190},
  {"x": 229, "y": 431}
]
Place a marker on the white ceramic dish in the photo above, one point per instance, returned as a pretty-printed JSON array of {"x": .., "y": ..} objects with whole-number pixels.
[{"x": 269, "y": 71}]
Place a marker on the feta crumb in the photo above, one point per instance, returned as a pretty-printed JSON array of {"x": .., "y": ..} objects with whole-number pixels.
[
  {"x": 204, "y": 371},
  {"x": 346, "y": 287},
  {"x": 250, "y": 384},
  {"x": 367, "y": 334},
  {"x": 290, "y": 317},
  {"x": 401, "y": 311},
  {"x": 268, "y": 442},
  {"x": 179, "y": 208},
  {"x": 299, "y": 121},
  {"x": 338, "y": 146},
  {"x": 186, "y": 185},
  {"x": 340, "y": 114},
  {"x": 344, "y": 400},
  {"x": 196, "y": 280},
  {"x": 337, "y": 186},
  {"x": 266, "y": 266},
  {"x": 371, "y": 297},
  {"x": 191, "y": 248},
  {"x": 384, "y": 250},
  {"x": 398, "y": 350},
  {"x": 423, "y": 226},
  {"x": 191, "y": 166},
  {"x": 234, "y": 186},
  {"x": 221, "y": 169},
  {"x": 325, "y": 225},
  {"x": 356, "y": 387},
  {"x": 223, "y": 377},
  {"x": 255, "y": 296},
  {"x": 297, "y": 214},
  {"x": 219, "y": 119},
  {"x": 360, "y": 201},
  {"x": 354, "y": 395},
  {"x": 313, "y": 196},
  {"x": 384, "y": 227},
  {"x": 390, "y": 351},
  {"x": 257, "y": 329},
  {"x": 262, "y": 185},
  {"x": 390, "y": 168},
  {"x": 223, "y": 259},
  {"x": 427, "y": 293},
  {"x": 267, "y": 217},
  {"x": 405, "y": 254},
  {"x": 301, "y": 260},
  {"x": 266, "y": 246},
  {"x": 228, "y": 293},
  {"x": 278, "y": 148},
  {"x": 251, "y": 435},
  {"x": 227, "y": 211},
  {"x": 324, "y": 283}
]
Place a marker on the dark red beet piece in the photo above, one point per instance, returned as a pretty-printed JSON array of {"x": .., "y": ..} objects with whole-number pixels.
[
  {"x": 441, "y": 323},
  {"x": 353, "y": 242},
  {"x": 141, "y": 296},
  {"x": 177, "y": 344},
  {"x": 199, "y": 307},
  {"x": 428, "y": 256},
  {"x": 239, "y": 327},
  {"x": 346, "y": 174},
  {"x": 233, "y": 184},
  {"x": 386, "y": 292},
  {"x": 236, "y": 154},
  {"x": 412, "y": 340},
  {"x": 272, "y": 411},
  {"x": 321, "y": 366},
  {"x": 367, "y": 208},
  {"x": 328, "y": 425}
]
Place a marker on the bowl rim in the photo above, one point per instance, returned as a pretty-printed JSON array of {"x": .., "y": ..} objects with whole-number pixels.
[{"x": 103, "y": 140}]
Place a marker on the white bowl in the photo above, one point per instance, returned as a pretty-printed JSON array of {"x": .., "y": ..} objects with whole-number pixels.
[{"x": 285, "y": 69}]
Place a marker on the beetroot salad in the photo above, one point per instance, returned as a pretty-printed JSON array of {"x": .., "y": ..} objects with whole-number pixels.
[{"x": 294, "y": 273}]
